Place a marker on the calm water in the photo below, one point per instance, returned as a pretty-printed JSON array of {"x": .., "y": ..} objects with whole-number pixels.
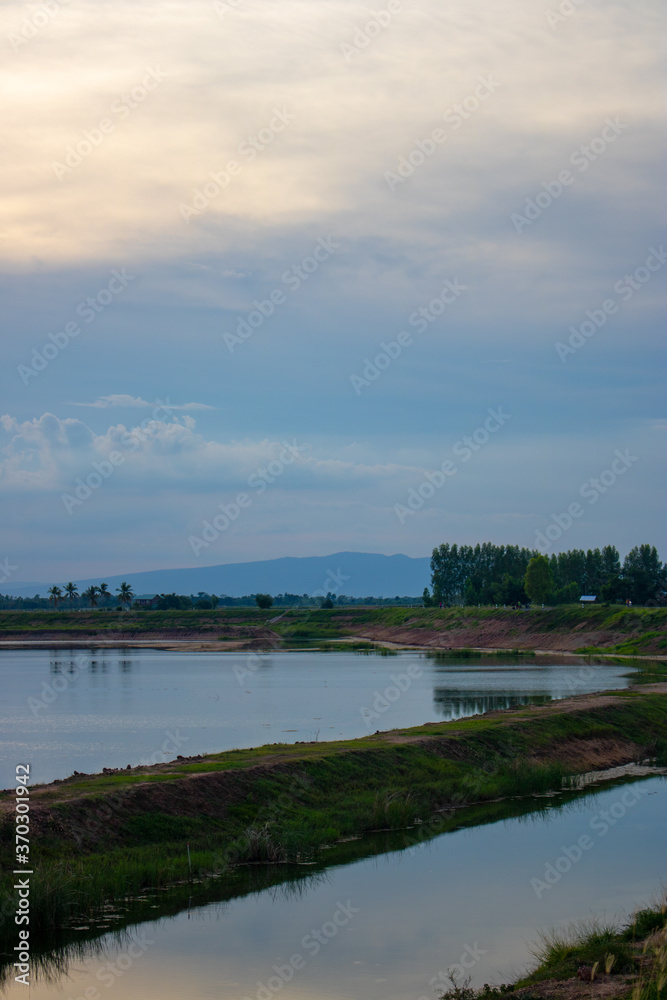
[
  {"x": 85, "y": 710},
  {"x": 403, "y": 917}
]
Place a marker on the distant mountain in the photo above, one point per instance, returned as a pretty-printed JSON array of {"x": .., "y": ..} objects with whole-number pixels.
[{"x": 357, "y": 574}]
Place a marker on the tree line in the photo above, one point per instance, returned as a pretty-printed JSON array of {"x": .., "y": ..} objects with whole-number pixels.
[
  {"x": 496, "y": 574},
  {"x": 102, "y": 599}
]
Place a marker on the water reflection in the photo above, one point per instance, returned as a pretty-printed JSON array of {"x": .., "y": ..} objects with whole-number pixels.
[
  {"x": 67, "y": 710},
  {"x": 418, "y": 903},
  {"x": 453, "y": 704}
]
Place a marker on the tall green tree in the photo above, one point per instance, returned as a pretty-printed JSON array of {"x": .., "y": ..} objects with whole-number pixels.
[
  {"x": 509, "y": 591},
  {"x": 90, "y": 595},
  {"x": 105, "y": 593},
  {"x": 55, "y": 595},
  {"x": 611, "y": 563},
  {"x": 72, "y": 591},
  {"x": 644, "y": 574},
  {"x": 538, "y": 581},
  {"x": 594, "y": 572},
  {"x": 263, "y": 601},
  {"x": 125, "y": 594}
]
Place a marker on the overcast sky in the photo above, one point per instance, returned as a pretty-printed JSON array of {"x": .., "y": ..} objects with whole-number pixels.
[{"x": 213, "y": 216}]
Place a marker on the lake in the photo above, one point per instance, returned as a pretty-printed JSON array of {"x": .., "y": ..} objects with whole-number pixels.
[
  {"x": 87, "y": 709},
  {"x": 388, "y": 927}
]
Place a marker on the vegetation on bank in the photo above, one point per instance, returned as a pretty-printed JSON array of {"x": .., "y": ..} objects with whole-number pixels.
[
  {"x": 633, "y": 957},
  {"x": 508, "y": 574},
  {"x": 100, "y": 840},
  {"x": 639, "y": 628}
]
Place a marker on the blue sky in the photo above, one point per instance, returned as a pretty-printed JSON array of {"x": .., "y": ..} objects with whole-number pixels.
[{"x": 215, "y": 215}]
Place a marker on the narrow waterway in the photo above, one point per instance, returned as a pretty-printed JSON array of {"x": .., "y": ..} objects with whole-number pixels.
[{"x": 388, "y": 927}]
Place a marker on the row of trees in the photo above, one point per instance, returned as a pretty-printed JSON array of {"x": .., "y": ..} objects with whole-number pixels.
[
  {"x": 93, "y": 596},
  {"x": 496, "y": 574}
]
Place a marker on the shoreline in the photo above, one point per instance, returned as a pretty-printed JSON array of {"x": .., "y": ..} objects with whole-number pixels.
[
  {"x": 222, "y": 646},
  {"x": 109, "y": 838},
  {"x": 596, "y": 629}
]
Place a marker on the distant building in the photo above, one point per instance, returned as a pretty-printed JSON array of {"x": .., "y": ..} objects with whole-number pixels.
[
  {"x": 588, "y": 599},
  {"x": 147, "y": 602}
]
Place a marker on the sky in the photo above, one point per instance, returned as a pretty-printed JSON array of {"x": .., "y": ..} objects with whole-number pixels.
[{"x": 284, "y": 277}]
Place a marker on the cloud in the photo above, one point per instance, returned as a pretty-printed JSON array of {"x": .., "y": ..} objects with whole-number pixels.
[
  {"x": 169, "y": 479},
  {"x": 221, "y": 81},
  {"x": 136, "y": 402},
  {"x": 48, "y": 453}
]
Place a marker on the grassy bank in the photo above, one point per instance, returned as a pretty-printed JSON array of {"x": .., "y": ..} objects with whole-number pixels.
[
  {"x": 592, "y": 958},
  {"x": 599, "y": 628},
  {"x": 100, "y": 839}
]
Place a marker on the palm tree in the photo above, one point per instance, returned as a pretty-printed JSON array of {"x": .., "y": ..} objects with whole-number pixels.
[
  {"x": 55, "y": 595},
  {"x": 125, "y": 593},
  {"x": 91, "y": 595},
  {"x": 105, "y": 593},
  {"x": 72, "y": 591}
]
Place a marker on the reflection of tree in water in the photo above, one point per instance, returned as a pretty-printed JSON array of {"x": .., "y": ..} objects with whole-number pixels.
[
  {"x": 61, "y": 665},
  {"x": 299, "y": 886},
  {"x": 455, "y": 704},
  {"x": 52, "y": 967},
  {"x": 203, "y": 901}
]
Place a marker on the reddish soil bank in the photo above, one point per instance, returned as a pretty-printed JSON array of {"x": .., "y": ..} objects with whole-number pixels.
[{"x": 503, "y": 634}]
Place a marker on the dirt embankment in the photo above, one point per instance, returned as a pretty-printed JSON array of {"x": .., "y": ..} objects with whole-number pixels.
[
  {"x": 518, "y": 633},
  {"x": 637, "y": 631},
  {"x": 233, "y": 777}
]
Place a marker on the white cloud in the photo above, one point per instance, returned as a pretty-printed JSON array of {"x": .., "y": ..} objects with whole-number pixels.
[
  {"x": 48, "y": 453},
  {"x": 136, "y": 402}
]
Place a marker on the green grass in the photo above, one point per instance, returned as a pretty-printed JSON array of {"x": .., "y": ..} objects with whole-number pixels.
[
  {"x": 637, "y": 952},
  {"x": 642, "y": 626},
  {"x": 560, "y": 954}
]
